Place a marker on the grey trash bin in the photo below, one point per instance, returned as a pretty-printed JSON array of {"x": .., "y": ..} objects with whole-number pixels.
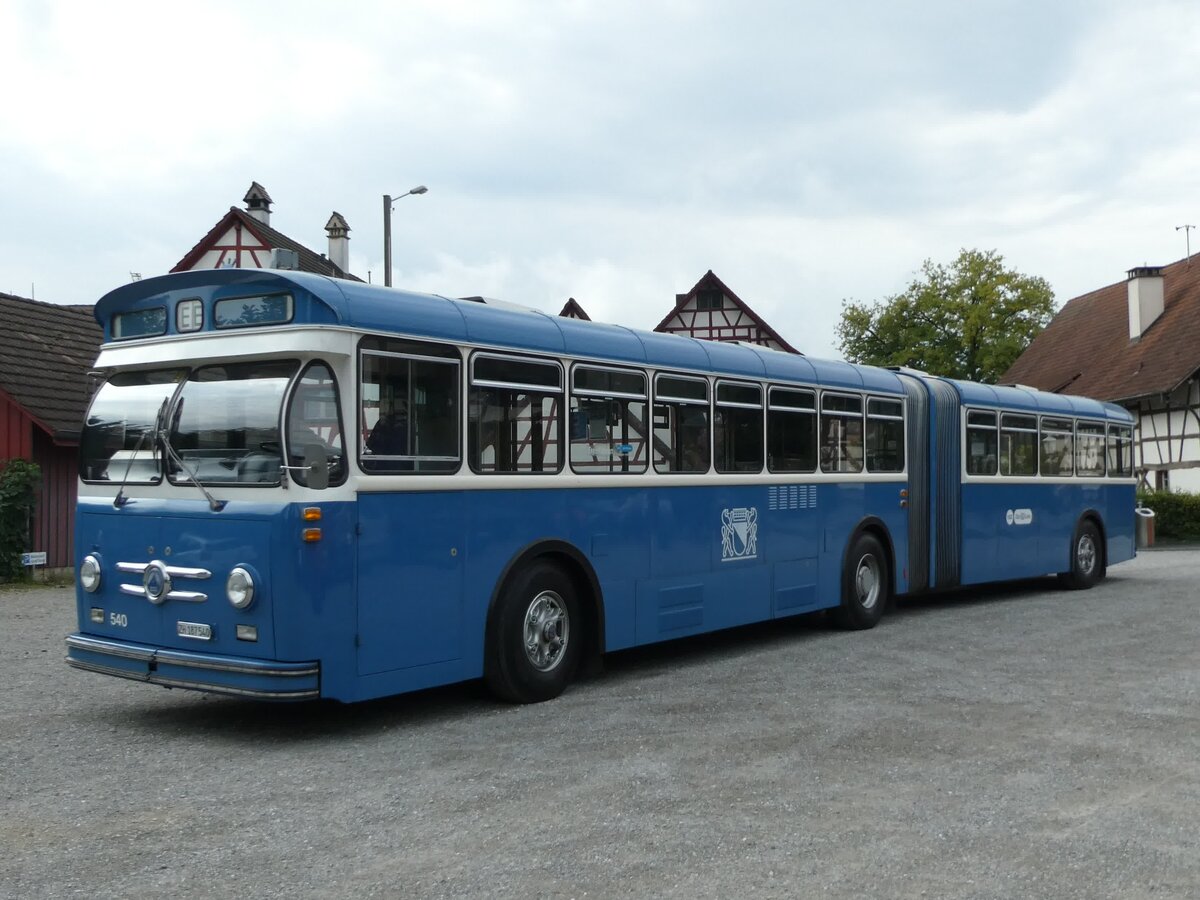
[{"x": 1144, "y": 519}]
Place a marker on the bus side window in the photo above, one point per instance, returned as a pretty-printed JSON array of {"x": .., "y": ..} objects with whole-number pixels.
[
  {"x": 409, "y": 419},
  {"x": 1018, "y": 445},
  {"x": 680, "y": 439},
  {"x": 608, "y": 420},
  {"x": 1089, "y": 449},
  {"x": 791, "y": 430},
  {"x": 1120, "y": 451},
  {"x": 841, "y": 433},
  {"x": 314, "y": 417},
  {"x": 983, "y": 443},
  {"x": 515, "y": 415},
  {"x": 1056, "y": 445},
  {"x": 885, "y": 435},
  {"x": 738, "y": 428}
]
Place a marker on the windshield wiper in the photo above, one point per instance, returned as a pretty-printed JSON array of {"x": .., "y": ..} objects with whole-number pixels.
[
  {"x": 120, "y": 500},
  {"x": 213, "y": 503}
]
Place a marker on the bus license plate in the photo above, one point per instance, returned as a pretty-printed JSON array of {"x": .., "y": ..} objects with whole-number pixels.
[{"x": 197, "y": 630}]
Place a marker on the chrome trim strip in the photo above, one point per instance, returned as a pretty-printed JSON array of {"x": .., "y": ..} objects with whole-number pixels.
[
  {"x": 174, "y": 571},
  {"x": 184, "y": 660},
  {"x": 185, "y": 572},
  {"x": 97, "y": 645},
  {"x": 187, "y": 596},
  {"x": 176, "y": 658},
  {"x": 310, "y": 694},
  {"x": 106, "y": 670}
]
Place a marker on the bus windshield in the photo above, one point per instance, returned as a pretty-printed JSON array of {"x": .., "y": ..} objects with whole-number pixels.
[
  {"x": 117, "y": 439},
  {"x": 225, "y": 423}
]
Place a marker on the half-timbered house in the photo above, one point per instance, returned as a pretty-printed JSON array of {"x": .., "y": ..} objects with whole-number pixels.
[
  {"x": 710, "y": 311},
  {"x": 1136, "y": 343},
  {"x": 245, "y": 239}
]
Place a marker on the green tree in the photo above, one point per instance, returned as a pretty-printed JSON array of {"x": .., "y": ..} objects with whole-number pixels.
[{"x": 970, "y": 319}]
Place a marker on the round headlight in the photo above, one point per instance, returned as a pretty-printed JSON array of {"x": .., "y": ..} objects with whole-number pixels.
[
  {"x": 239, "y": 588},
  {"x": 89, "y": 574}
]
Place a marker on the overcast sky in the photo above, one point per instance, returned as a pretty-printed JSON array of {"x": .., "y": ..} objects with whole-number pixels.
[{"x": 608, "y": 151}]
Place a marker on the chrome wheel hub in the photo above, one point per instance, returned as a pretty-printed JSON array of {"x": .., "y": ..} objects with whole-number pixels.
[
  {"x": 547, "y": 630},
  {"x": 1085, "y": 554},
  {"x": 867, "y": 581}
]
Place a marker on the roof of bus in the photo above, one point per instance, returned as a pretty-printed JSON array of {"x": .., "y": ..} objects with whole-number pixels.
[
  {"x": 375, "y": 308},
  {"x": 1011, "y": 396},
  {"x": 323, "y": 300}
]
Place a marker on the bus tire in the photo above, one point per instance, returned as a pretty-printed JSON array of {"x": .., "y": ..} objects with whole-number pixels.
[
  {"x": 865, "y": 585},
  {"x": 1087, "y": 559},
  {"x": 535, "y": 635}
]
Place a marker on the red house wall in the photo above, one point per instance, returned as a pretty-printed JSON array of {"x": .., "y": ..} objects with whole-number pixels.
[
  {"x": 15, "y": 430},
  {"x": 54, "y": 517}
]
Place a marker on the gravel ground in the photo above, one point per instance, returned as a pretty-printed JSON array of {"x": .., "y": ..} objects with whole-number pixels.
[{"x": 1020, "y": 742}]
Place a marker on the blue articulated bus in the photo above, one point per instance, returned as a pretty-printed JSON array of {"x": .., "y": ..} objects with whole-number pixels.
[{"x": 295, "y": 487}]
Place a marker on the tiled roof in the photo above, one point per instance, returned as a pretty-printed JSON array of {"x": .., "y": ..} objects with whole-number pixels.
[
  {"x": 46, "y": 351},
  {"x": 710, "y": 280},
  {"x": 310, "y": 261},
  {"x": 1086, "y": 348}
]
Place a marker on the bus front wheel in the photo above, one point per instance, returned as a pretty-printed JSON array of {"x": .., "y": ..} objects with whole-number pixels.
[
  {"x": 534, "y": 637},
  {"x": 1087, "y": 561},
  {"x": 865, "y": 585}
]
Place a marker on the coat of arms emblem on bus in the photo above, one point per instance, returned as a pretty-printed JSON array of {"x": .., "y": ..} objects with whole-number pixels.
[{"x": 739, "y": 533}]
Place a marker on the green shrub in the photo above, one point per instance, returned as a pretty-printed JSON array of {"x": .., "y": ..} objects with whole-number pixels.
[
  {"x": 1176, "y": 516},
  {"x": 19, "y": 483}
]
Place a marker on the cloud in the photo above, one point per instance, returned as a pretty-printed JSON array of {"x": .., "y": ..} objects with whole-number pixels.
[{"x": 608, "y": 151}]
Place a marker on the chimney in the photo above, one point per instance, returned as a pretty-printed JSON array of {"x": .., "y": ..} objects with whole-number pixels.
[
  {"x": 1145, "y": 287},
  {"x": 258, "y": 203},
  {"x": 339, "y": 242}
]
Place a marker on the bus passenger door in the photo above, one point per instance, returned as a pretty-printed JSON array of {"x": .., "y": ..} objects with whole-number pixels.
[{"x": 410, "y": 556}]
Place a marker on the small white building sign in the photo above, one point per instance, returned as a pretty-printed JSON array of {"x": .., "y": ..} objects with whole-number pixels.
[{"x": 34, "y": 559}]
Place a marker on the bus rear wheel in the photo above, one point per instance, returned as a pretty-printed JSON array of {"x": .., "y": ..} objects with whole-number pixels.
[
  {"x": 865, "y": 585},
  {"x": 534, "y": 636},
  {"x": 1087, "y": 560}
]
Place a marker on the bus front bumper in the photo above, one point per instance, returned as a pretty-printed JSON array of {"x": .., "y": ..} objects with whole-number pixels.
[{"x": 264, "y": 679}]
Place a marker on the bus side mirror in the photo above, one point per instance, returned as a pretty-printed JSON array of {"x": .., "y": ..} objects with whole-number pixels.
[{"x": 316, "y": 461}]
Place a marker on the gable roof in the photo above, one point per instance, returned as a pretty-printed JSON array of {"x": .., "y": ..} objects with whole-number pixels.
[
  {"x": 309, "y": 260},
  {"x": 572, "y": 310},
  {"x": 1086, "y": 347},
  {"x": 46, "y": 351},
  {"x": 710, "y": 281}
]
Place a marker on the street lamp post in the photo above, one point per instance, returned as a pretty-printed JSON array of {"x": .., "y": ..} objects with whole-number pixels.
[{"x": 388, "y": 202}]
